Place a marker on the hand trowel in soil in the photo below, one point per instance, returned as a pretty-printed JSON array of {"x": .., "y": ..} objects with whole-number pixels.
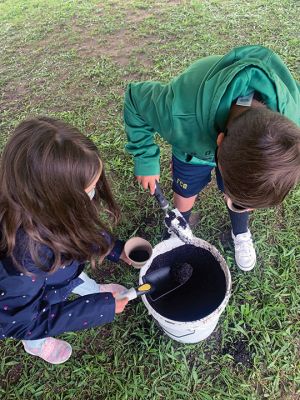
[
  {"x": 160, "y": 282},
  {"x": 166, "y": 279},
  {"x": 174, "y": 220}
]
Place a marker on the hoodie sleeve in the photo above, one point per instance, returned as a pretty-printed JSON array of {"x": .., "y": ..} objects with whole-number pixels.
[{"x": 146, "y": 111}]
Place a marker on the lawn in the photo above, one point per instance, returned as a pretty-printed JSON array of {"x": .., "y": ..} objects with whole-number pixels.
[{"x": 72, "y": 60}]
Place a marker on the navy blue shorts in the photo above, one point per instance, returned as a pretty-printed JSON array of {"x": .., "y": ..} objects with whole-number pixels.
[{"x": 189, "y": 179}]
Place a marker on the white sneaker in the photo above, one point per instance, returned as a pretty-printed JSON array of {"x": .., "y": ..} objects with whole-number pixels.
[{"x": 245, "y": 255}]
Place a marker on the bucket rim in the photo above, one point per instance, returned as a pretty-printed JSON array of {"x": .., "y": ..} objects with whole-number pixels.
[{"x": 171, "y": 244}]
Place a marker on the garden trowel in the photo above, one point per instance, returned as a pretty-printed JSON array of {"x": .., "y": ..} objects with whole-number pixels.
[{"x": 174, "y": 220}]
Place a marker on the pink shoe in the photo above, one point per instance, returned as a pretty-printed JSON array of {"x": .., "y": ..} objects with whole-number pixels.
[{"x": 54, "y": 351}]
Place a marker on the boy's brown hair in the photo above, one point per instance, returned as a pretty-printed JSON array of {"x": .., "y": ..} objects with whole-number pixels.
[
  {"x": 259, "y": 158},
  {"x": 45, "y": 168}
]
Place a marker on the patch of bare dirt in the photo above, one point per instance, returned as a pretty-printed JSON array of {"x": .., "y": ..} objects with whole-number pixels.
[
  {"x": 14, "y": 94},
  {"x": 14, "y": 374},
  {"x": 137, "y": 16},
  {"x": 119, "y": 45},
  {"x": 240, "y": 352},
  {"x": 123, "y": 47},
  {"x": 226, "y": 240},
  {"x": 97, "y": 344},
  {"x": 103, "y": 273},
  {"x": 148, "y": 222},
  {"x": 175, "y": 2}
]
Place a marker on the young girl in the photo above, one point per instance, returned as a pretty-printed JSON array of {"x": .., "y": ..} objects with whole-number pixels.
[{"x": 52, "y": 188}]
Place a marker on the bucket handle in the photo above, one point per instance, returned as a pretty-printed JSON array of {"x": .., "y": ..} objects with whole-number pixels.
[{"x": 181, "y": 336}]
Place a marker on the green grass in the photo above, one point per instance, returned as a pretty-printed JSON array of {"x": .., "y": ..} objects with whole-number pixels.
[{"x": 72, "y": 60}]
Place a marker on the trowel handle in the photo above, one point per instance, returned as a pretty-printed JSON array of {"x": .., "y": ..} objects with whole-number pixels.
[
  {"x": 158, "y": 194},
  {"x": 129, "y": 293},
  {"x": 133, "y": 293}
]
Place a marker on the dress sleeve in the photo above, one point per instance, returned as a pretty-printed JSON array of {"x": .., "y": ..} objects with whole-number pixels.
[
  {"x": 116, "y": 251},
  {"x": 35, "y": 304},
  {"x": 26, "y": 312},
  {"x": 117, "y": 248}
]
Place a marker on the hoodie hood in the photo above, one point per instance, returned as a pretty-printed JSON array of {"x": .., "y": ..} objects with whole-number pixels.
[{"x": 240, "y": 72}]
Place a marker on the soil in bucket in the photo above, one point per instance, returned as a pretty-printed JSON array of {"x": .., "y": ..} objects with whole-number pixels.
[
  {"x": 139, "y": 255},
  {"x": 201, "y": 294}
]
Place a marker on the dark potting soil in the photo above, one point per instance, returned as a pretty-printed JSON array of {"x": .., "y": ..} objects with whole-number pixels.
[
  {"x": 167, "y": 278},
  {"x": 139, "y": 255},
  {"x": 201, "y": 294},
  {"x": 181, "y": 273},
  {"x": 241, "y": 352}
]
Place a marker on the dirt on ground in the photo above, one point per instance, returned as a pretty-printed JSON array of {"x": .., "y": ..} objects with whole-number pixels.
[{"x": 241, "y": 353}]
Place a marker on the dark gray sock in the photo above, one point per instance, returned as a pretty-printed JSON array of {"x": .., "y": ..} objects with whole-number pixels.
[
  {"x": 186, "y": 215},
  {"x": 239, "y": 221}
]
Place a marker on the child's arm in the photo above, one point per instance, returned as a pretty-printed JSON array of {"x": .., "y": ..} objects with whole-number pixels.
[
  {"x": 26, "y": 313},
  {"x": 116, "y": 252},
  {"x": 147, "y": 110},
  {"x": 35, "y": 306},
  {"x": 120, "y": 304},
  {"x": 116, "y": 248}
]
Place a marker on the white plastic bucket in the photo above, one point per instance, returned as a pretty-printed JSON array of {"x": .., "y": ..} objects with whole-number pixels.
[{"x": 188, "y": 331}]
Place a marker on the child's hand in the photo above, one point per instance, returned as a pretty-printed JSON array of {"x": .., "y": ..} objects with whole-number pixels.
[
  {"x": 124, "y": 258},
  {"x": 148, "y": 182},
  {"x": 120, "y": 304}
]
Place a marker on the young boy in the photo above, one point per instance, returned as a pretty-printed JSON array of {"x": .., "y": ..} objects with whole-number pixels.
[{"x": 240, "y": 114}]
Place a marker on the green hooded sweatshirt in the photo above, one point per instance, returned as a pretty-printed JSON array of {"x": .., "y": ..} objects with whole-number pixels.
[{"x": 193, "y": 108}]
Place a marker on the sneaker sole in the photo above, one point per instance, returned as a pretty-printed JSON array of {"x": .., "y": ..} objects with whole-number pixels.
[
  {"x": 53, "y": 363},
  {"x": 246, "y": 269}
]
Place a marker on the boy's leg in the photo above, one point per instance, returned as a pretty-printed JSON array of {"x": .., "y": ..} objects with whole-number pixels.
[
  {"x": 188, "y": 180},
  {"x": 184, "y": 205},
  {"x": 245, "y": 255},
  {"x": 239, "y": 221}
]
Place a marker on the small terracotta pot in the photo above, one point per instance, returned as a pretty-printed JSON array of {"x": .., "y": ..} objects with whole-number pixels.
[{"x": 138, "y": 250}]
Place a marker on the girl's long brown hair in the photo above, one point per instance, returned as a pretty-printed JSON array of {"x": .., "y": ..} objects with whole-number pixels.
[{"x": 45, "y": 168}]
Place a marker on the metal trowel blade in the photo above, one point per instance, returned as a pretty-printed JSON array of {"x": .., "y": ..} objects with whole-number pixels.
[
  {"x": 176, "y": 224},
  {"x": 161, "y": 282}
]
